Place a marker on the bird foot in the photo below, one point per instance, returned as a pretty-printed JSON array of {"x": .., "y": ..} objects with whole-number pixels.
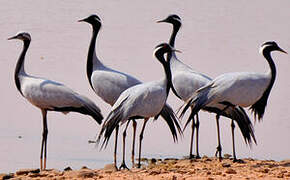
[
  {"x": 123, "y": 166},
  {"x": 138, "y": 165},
  {"x": 191, "y": 156},
  {"x": 219, "y": 151}
]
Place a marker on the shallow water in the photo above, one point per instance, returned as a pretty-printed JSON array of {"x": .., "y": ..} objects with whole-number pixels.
[{"x": 216, "y": 37}]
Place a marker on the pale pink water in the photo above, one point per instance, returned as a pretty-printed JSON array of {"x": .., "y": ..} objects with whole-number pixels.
[{"x": 216, "y": 37}]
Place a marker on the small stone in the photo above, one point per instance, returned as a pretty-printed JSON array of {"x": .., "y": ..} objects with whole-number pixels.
[
  {"x": 153, "y": 161},
  {"x": 67, "y": 169},
  {"x": 84, "y": 167},
  {"x": 86, "y": 174},
  {"x": 206, "y": 159},
  {"x": 227, "y": 156},
  {"x": 266, "y": 170},
  {"x": 109, "y": 168},
  {"x": 210, "y": 178},
  {"x": 218, "y": 173},
  {"x": 230, "y": 171},
  {"x": 26, "y": 171},
  {"x": 226, "y": 165},
  {"x": 144, "y": 160},
  {"x": 6, "y": 176},
  {"x": 281, "y": 175},
  {"x": 153, "y": 173}
]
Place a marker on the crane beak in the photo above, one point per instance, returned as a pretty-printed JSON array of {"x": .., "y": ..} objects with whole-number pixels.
[
  {"x": 282, "y": 51},
  {"x": 164, "y": 20},
  {"x": 13, "y": 37},
  {"x": 81, "y": 20}
]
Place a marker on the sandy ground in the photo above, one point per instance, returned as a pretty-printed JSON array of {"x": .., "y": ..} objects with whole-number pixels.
[{"x": 173, "y": 169}]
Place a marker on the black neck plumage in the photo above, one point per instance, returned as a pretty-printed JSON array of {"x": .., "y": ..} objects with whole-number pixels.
[
  {"x": 20, "y": 65},
  {"x": 173, "y": 34},
  {"x": 259, "y": 107},
  {"x": 90, "y": 59},
  {"x": 160, "y": 56},
  {"x": 169, "y": 55}
]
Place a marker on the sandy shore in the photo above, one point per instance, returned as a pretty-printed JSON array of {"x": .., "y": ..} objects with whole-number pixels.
[{"x": 183, "y": 169}]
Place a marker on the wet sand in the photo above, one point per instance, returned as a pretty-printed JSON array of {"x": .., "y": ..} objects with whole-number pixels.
[{"x": 183, "y": 169}]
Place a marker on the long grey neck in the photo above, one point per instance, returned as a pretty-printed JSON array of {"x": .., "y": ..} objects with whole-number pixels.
[{"x": 20, "y": 65}]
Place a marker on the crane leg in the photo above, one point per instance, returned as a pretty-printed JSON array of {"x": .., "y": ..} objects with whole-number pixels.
[
  {"x": 197, "y": 133},
  {"x": 44, "y": 140},
  {"x": 140, "y": 141},
  {"x": 115, "y": 150},
  {"x": 233, "y": 139},
  {"x": 133, "y": 143},
  {"x": 219, "y": 147},
  {"x": 123, "y": 165},
  {"x": 191, "y": 139}
]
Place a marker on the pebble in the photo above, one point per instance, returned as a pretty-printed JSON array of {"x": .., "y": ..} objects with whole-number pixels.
[
  {"x": 6, "y": 176},
  {"x": 86, "y": 174},
  {"x": 26, "y": 171},
  {"x": 227, "y": 156},
  {"x": 109, "y": 168},
  {"x": 226, "y": 165},
  {"x": 231, "y": 171},
  {"x": 153, "y": 173},
  {"x": 67, "y": 169}
]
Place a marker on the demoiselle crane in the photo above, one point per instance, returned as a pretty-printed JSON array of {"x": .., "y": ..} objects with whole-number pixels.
[
  {"x": 49, "y": 95},
  {"x": 239, "y": 88},
  {"x": 109, "y": 84},
  {"x": 143, "y": 100},
  {"x": 186, "y": 81}
]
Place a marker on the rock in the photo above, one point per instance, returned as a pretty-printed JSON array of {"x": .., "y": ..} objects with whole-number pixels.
[
  {"x": 153, "y": 161},
  {"x": 218, "y": 173},
  {"x": 86, "y": 174},
  {"x": 144, "y": 160},
  {"x": 206, "y": 159},
  {"x": 226, "y": 165},
  {"x": 67, "y": 169},
  {"x": 170, "y": 159},
  {"x": 231, "y": 171},
  {"x": 153, "y": 173},
  {"x": 227, "y": 156},
  {"x": 84, "y": 167},
  {"x": 266, "y": 170},
  {"x": 109, "y": 168},
  {"x": 26, "y": 171},
  {"x": 281, "y": 175},
  {"x": 6, "y": 176},
  {"x": 33, "y": 175}
]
